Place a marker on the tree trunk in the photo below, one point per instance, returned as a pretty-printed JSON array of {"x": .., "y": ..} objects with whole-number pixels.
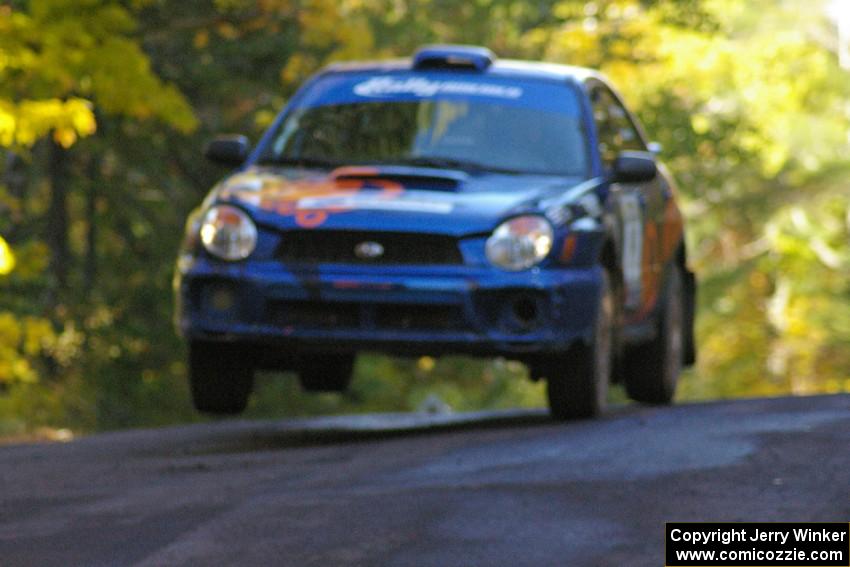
[
  {"x": 90, "y": 268},
  {"x": 57, "y": 218},
  {"x": 14, "y": 175},
  {"x": 15, "y": 180}
]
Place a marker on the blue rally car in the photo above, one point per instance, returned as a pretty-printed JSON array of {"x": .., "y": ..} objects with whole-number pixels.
[{"x": 448, "y": 203}]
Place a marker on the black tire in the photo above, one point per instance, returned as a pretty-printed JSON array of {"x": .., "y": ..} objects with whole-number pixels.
[
  {"x": 221, "y": 377},
  {"x": 652, "y": 370},
  {"x": 326, "y": 373},
  {"x": 690, "y": 286},
  {"x": 577, "y": 382}
]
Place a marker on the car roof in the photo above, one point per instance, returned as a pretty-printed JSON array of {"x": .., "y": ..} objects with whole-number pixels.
[{"x": 494, "y": 67}]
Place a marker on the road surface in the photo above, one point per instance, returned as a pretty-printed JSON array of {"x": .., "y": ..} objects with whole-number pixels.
[{"x": 508, "y": 488}]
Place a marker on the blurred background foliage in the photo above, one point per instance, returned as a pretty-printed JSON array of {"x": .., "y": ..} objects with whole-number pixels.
[{"x": 105, "y": 105}]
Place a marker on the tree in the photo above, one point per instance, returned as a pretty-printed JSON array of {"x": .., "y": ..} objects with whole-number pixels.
[
  {"x": 63, "y": 63},
  {"x": 61, "y": 58}
]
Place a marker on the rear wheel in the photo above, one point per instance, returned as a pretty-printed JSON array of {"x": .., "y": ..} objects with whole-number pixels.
[
  {"x": 221, "y": 377},
  {"x": 577, "y": 382},
  {"x": 326, "y": 373},
  {"x": 652, "y": 370}
]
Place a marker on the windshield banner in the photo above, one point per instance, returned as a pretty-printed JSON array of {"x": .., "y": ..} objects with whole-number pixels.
[{"x": 352, "y": 88}]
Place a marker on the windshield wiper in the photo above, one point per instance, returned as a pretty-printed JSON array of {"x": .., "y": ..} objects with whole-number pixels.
[
  {"x": 448, "y": 163},
  {"x": 305, "y": 161}
]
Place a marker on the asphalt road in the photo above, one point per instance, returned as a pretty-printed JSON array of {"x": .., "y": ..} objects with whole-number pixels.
[{"x": 509, "y": 488}]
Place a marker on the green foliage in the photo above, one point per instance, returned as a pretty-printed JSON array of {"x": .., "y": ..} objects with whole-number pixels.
[
  {"x": 746, "y": 98},
  {"x": 59, "y": 56}
]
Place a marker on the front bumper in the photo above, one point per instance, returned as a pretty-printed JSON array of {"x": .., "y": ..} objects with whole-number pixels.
[{"x": 395, "y": 309}]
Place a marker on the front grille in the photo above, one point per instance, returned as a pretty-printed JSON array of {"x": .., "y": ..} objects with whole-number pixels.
[
  {"x": 382, "y": 316},
  {"x": 314, "y": 315},
  {"x": 338, "y": 247},
  {"x": 404, "y": 317}
]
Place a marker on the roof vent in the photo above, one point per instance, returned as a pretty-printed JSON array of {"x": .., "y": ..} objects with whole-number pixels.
[{"x": 453, "y": 57}]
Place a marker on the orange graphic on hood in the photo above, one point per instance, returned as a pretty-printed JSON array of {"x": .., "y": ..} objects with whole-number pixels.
[{"x": 282, "y": 196}]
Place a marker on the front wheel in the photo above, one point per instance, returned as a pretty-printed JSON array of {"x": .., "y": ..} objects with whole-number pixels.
[
  {"x": 577, "y": 382},
  {"x": 221, "y": 377},
  {"x": 652, "y": 370}
]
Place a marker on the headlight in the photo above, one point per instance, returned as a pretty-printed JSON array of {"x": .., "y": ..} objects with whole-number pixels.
[
  {"x": 228, "y": 233},
  {"x": 520, "y": 243}
]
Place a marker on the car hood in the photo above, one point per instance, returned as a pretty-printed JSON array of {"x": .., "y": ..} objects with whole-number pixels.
[{"x": 398, "y": 199}]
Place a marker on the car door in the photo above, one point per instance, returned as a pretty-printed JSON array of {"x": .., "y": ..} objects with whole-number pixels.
[{"x": 639, "y": 207}]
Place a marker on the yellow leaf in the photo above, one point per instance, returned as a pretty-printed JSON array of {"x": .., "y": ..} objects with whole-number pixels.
[
  {"x": 65, "y": 137},
  {"x": 201, "y": 39},
  {"x": 7, "y": 258}
]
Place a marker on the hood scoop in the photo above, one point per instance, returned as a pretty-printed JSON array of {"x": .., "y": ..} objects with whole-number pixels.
[{"x": 405, "y": 176}]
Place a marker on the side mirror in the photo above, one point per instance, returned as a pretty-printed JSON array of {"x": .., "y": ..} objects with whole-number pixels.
[
  {"x": 635, "y": 167},
  {"x": 228, "y": 150}
]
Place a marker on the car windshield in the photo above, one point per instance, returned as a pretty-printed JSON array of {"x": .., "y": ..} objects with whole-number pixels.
[{"x": 431, "y": 122}]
